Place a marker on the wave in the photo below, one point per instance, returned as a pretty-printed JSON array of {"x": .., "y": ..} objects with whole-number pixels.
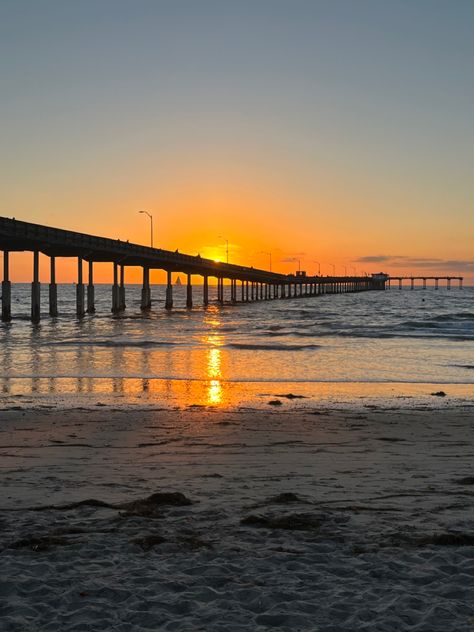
[
  {"x": 141, "y": 344},
  {"x": 237, "y": 380},
  {"x": 455, "y": 316},
  {"x": 266, "y": 347}
]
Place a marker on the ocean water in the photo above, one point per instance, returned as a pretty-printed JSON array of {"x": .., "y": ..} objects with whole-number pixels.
[{"x": 393, "y": 344}]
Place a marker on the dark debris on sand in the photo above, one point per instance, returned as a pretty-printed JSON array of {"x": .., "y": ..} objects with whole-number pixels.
[
  {"x": 449, "y": 538},
  {"x": 467, "y": 480},
  {"x": 147, "y": 542},
  {"x": 289, "y": 522},
  {"x": 144, "y": 506},
  {"x": 39, "y": 543}
]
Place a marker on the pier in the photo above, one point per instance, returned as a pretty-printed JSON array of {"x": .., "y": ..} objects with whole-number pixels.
[
  {"x": 246, "y": 283},
  {"x": 424, "y": 279}
]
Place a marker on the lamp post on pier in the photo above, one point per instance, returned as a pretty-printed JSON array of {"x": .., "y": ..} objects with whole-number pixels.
[
  {"x": 333, "y": 269},
  {"x": 319, "y": 267},
  {"x": 262, "y": 252},
  {"x": 226, "y": 248},
  {"x": 151, "y": 225}
]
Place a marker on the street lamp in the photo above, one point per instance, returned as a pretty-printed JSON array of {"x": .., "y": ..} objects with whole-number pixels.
[
  {"x": 226, "y": 247},
  {"x": 333, "y": 269},
  {"x": 262, "y": 252},
  {"x": 151, "y": 225},
  {"x": 319, "y": 267},
  {"x": 354, "y": 270}
]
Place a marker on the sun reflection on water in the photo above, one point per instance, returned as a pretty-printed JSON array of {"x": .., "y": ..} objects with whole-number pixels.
[{"x": 214, "y": 341}]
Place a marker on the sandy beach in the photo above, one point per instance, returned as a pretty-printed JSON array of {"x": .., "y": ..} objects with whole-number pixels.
[{"x": 295, "y": 518}]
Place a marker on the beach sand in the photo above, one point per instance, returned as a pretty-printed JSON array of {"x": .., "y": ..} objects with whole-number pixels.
[{"x": 294, "y": 518}]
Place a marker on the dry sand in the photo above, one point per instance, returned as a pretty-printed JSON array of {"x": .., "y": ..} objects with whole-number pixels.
[{"x": 301, "y": 519}]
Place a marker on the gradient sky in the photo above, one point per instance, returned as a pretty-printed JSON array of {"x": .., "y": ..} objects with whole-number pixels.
[{"x": 331, "y": 131}]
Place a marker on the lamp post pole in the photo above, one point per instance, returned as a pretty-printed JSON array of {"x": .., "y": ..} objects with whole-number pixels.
[
  {"x": 270, "y": 255},
  {"x": 319, "y": 267},
  {"x": 333, "y": 269},
  {"x": 226, "y": 248},
  {"x": 151, "y": 225}
]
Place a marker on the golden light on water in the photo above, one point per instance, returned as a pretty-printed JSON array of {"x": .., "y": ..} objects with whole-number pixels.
[
  {"x": 214, "y": 342},
  {"x": 214, "y": 389}
]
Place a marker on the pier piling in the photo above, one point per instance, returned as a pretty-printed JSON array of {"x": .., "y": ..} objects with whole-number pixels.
[
  {"x": 53, "y": 289},
  {"x": 146, "y": 292},
  {"x": 91, "y": 290},
  {"x": 189, "y": 293},
  {"x": 169, "y": 291},
  {"x": 35, "y": 290},
  {"x": 6, "y": 289},
  {"x": 79, "y": 290}
]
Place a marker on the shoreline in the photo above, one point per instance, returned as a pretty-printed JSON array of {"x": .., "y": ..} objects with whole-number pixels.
[{"x": 218, "y": 394}]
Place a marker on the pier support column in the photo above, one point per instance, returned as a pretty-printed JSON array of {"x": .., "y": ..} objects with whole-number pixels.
[
  {"x": 35, "y": 290},
  {"x": 436, "y": 284},
  {"x": 146, "y": 292},
  {"x": 460, "y": 283},
  {"x": 399, "y": 284},
  {"x": 90, "y": 290},
  {"x": 189, "y": 293},
  {"x": 449, "y": 283},
  {"x": 282, "y": 290},
  {"x": 252, "y": 291},
  {"x": 53, "y": 289},
  {"x": 122, "y": 288},
  {"x": 169, "y": 291},
  {"x": 424, "y": 284},
  {"x": 79, "y": 290},
  {"x": 412, "y": 281},
  {"x": 222, "y": 291},
  {"x": 234, "y": 291},
  {"x": 6, "y": 289},
  {"x": 261, "y": 291},
  {"x": 115, "y": 291},
  {"x": 246, "y": 291},
  {"x": 205, "y": 290}
]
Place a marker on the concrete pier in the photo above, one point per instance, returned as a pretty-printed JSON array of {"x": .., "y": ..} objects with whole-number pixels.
[
  {"x": 122, "y": 289},
  {"x": 91, "y": 290},
  {"x": 189, "y": 293},
  {"x": 18, "y": 236},
  {"x": 6, "y": 289},
  {"x": 53, "y": 289},
  {"x": 220, "y": 290},
  {"x": 80, "y": 311},
  {"x": 35, "y": 290},
  {"x": 146, "y": 291},
  {"x": 205, "y": 290},
  {"x": 115, "y": 291},
  {"x": 169, "y": 291}
]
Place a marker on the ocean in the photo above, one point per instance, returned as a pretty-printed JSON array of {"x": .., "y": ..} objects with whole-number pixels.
[{"x": 333, "y": 348}]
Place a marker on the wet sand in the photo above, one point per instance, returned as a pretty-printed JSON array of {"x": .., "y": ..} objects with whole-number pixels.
[{"x": 288, "y": 518}]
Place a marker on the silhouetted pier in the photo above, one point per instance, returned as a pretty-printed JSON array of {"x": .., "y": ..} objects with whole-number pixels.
[
  {"x": 424, "y": 279},
  {"x": 255, "y": 284}
]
